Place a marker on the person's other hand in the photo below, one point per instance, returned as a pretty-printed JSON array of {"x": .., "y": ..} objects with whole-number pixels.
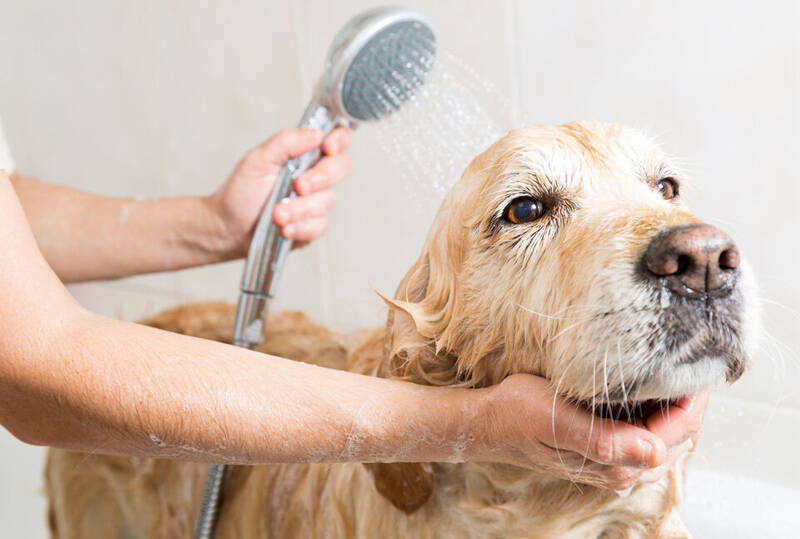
[
  {"x": 528, "y": 426},
  {"x": 240, "y": 200}
]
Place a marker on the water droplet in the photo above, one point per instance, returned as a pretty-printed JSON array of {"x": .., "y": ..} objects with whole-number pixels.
[{"x": 442, "y": 126}]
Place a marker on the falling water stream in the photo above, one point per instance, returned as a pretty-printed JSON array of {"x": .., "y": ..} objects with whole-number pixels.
[{"x": 447, "y": 121}]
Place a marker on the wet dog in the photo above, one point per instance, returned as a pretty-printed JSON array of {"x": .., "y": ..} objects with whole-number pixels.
[{"x": 566, "y": 252}]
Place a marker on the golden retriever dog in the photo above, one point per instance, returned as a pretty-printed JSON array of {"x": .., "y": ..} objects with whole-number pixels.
[{"x": 567, "y": 252}]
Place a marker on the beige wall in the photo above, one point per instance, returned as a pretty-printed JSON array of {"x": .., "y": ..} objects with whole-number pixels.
[{"x": 162, "y": 97}]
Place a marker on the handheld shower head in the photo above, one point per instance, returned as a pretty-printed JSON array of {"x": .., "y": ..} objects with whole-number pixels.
[{"x": 375, "y": 64}]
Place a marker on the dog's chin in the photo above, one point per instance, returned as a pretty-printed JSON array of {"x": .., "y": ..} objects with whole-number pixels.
[{"x": 667, "y": 385}]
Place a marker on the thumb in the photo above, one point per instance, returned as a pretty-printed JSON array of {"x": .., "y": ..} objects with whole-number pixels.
[{"x": 283, "y": 146}]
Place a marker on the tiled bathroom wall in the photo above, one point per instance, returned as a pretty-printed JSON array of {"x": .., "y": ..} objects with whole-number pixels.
[{"x": 161, "y": 98}]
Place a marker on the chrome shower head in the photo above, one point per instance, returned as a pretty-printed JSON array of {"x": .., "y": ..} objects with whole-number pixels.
[{"x": 375, "y": 63}]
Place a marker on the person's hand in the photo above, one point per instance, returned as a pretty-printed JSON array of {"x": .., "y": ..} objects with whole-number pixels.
[
  {"x": 239, "y": 202},
  {"x": 529, "y": 427}
]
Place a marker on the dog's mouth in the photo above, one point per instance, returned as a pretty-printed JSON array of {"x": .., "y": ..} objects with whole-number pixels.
[{"x": 635, "y": 413}]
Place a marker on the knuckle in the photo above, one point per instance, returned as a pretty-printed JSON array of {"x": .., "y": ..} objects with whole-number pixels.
[
  {"x": 281, "y": 137},
  {"x": 605, "y": 448},
  {"x": 621, "y": 478},
  {"x": 251, "y": 158}
]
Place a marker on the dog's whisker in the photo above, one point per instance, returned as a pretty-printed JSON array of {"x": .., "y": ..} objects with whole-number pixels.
[
  {"x": 564, "y": 331},
  {"x": 622, "y": 382},
  {"x": 557, "y": 315},
  {"x": 591, "y": 424},
  {"x": 531, "y": 311},
  {"x": 793, "y": 312},
  {"x": 553, "y": 411},
  {"x": 779, "y": 373},
  {"x": 605, "y": 384}
]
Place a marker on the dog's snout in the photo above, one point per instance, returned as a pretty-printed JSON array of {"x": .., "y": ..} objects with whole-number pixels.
[{"x": 695, "y": 260}]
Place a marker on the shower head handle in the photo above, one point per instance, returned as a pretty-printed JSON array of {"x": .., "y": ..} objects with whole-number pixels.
[{"x": 268, "y": 248}]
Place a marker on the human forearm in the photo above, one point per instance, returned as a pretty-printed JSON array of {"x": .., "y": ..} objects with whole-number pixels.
[
  {"x": 87, "y": 237},
  {"x": 135, "y": 390},
  {"x": 76, "y": 380}
]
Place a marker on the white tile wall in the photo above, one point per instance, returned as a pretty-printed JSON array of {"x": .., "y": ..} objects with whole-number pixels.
[{"x": 161, "y": 98}]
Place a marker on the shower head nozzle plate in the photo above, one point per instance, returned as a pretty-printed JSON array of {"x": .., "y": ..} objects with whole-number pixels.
[{"x": 378, "y": 61}]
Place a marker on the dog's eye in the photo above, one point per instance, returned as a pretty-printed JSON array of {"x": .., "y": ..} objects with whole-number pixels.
[
  {"x": 524, "y": 210},
  {"x": 668, "y": 188}
]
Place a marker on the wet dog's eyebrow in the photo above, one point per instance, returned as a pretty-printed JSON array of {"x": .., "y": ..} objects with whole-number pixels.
[{"x": 652, "y": 172}]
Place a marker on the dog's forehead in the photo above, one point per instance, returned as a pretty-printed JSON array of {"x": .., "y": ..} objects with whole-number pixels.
[{"x": 577, "y": 155}]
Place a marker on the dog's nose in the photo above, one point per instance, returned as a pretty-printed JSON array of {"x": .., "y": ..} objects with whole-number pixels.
[{"x": 695, "y": 260}]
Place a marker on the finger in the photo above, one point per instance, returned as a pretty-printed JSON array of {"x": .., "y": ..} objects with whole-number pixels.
[
  {"x": 325, "y": 174},
  {"x": 337, "y": 142},
  {"x": 283, "y": 146},
  {"x": 680, "y": 421},
  {"x": 604, "y": 440},
  {"x": 619, "y": 478},
  {"x": 623, "y": 478},
  {"x": 653, "y": 475},
  {"x": 305, "y": 231},
  {"x": 304, "y": 208},
  {"x": 574, "y": 467}
]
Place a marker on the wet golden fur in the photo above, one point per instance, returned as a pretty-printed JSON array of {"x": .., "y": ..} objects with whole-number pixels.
[{"x": 467, "y": 313}]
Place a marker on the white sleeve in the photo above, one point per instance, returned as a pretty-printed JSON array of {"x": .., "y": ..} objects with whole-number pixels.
[{"x": 6, "y": 162}]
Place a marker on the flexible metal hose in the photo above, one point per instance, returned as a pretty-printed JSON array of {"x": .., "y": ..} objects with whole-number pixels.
[{"x": 207, "y": 519}]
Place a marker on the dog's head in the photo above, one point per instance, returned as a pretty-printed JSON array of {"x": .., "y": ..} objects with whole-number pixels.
[{"x": 569, "y": 252}]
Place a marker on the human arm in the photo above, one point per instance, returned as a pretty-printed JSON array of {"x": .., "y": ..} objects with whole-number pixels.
[
  {"x": 87, "y": 237},
  {"x": 75, "y": 380}
]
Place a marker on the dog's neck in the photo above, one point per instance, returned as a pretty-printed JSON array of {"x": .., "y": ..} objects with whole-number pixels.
[{"x": 514, "y": 501}]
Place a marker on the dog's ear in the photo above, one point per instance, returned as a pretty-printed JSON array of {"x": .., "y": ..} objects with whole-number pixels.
[
  {"x": 407, "y": 485},
  {"x": 417, "y": 316},
  {"x": 420, "y": 337}
]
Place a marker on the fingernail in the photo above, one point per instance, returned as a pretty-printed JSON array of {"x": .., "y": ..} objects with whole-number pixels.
[
  {"x": 647, "y": 453},
  {"x": 624, "y": 493},
  {"x": 288, "y": 231}
]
